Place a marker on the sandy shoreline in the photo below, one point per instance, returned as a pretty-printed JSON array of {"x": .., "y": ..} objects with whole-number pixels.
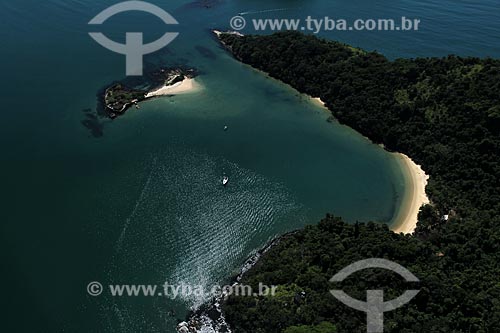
[
  {"x": 318, "y": 101},
  {"x": 414, "y": 197},
  {"x": 185, "y": 86}
]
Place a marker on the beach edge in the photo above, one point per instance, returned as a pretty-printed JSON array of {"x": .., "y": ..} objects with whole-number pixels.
[{"x": 414, "y": 197}]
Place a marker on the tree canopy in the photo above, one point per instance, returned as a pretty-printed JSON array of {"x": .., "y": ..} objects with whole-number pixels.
[{"x": 442, "y": 112}]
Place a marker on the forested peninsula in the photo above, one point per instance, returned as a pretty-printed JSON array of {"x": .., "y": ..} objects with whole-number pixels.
[{"x": 442, "y": 112}]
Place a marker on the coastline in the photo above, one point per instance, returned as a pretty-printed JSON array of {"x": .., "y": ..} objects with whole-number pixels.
[
  {"x": 120, "y": 96},
  {"x": 210, "y": 317},
  {"x": 405, "y": 220},
  {"x": 406, "y": 217},
  {"x": 318, "y": 101},
  {"x": 182, "y": 87}
]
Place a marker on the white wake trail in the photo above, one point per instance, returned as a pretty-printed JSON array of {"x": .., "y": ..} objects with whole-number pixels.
[
  {"x": 263, "y": 11},
  {"x": 137, "y": 203}
]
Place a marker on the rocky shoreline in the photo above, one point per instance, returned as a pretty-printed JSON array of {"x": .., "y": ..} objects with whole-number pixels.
[
  {"x": 210, "y": 317},
  {"x": 119, "y": 97},
  {"x": 218, "y": 35}
]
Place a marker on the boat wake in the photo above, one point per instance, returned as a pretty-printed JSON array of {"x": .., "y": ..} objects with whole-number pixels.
[
  {"x": 187, "y": 229},
  {"x": 139, "y": 200},
  {"x": 263, "y": 11}
]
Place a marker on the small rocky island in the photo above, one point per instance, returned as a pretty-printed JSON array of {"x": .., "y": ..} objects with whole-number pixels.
[{"x": 119, "y": 97}]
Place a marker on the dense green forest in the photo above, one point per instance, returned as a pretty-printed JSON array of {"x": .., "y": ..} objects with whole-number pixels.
[{"x": 442, "y": 112}]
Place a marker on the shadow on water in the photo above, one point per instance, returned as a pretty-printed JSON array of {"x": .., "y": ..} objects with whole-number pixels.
[
  {"x": 208, "y": 4},
  {"x": 206, "y": 52},
  {"x": 93, "y": 122}
]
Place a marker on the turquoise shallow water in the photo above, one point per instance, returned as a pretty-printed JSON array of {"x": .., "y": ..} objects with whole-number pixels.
[{"x": 142, "y": 203}]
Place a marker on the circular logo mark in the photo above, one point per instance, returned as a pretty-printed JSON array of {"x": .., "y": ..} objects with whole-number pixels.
[
  {"x": 238, "y": 23},
  {"x": 94, "y": 289}
]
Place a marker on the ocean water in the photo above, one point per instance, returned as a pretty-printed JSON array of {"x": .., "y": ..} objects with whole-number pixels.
[{"x": 138, "y": 200}]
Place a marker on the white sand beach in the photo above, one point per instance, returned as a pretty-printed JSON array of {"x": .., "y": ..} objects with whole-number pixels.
[
  {"x": 318, "y": 101},
  {"x": 414, "y": 197},
  {"x": 185, "y": 86}
]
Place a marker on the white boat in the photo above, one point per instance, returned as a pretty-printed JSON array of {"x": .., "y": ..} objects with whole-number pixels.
[{"x": 225, "y": 180}]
